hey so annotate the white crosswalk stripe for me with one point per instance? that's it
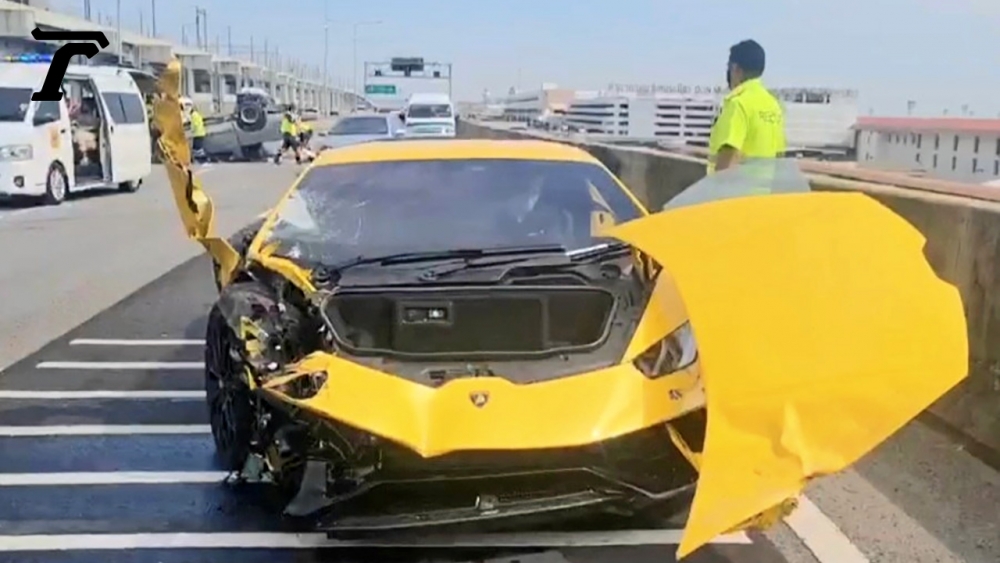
(26, 394)
(109, 478)
(122, 365)
(103, 429)
(135, 342)
(247, 540)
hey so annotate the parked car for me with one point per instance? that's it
(353, 129)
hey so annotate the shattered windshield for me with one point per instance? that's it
(375, 208)
(749, 178)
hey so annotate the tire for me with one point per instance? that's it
(56, 185)
(130, 187)
(229, 400)
(251, 117)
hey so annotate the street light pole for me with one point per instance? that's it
(326, 56)
(354, 56)
(118, 18)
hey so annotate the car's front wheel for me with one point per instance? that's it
(56, 185)
(230, 401)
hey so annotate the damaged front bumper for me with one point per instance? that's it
(637, 475)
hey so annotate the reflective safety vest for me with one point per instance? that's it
(197, 124)
(288, 127)
(751, 121)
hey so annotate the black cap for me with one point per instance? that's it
(749, 56)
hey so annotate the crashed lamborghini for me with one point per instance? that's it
(452, 334)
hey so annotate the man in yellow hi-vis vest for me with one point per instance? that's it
(751, 123)
(289, 138)
(198, 134)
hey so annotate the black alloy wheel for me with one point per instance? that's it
(230, 401)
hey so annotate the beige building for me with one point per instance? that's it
(959, 149)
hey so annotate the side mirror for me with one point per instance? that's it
(402, 117)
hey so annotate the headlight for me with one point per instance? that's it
(449, 130)
(15, 152)
(674, 353)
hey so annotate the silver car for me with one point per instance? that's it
(353, 129)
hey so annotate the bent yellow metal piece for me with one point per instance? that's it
(821, 330)
(195, 207)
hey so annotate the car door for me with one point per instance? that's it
(135, 129)
(821, 330)
(51, 136)
(113, 117)
(127, 132)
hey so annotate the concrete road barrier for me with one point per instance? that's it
(961, 223)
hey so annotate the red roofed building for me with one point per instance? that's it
(960, 149)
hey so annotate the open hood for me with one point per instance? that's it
(821, 329)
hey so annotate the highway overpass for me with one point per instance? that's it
(211, 79)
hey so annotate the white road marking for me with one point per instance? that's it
(258, 540)
(13, 394)
(103, 430)
(110, 478)
(135, 342)
(821, 536)
(122, 365)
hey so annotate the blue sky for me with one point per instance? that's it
(940, 53)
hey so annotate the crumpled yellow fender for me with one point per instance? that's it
(821, 329)
(195, 207)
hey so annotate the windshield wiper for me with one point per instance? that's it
(599, 252)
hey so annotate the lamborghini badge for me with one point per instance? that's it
(479, 398)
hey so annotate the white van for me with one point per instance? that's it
(429, 115)
(97, 136)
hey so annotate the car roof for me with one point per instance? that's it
(31, 75)
(365, 116)
(429, 98)
(453, 149)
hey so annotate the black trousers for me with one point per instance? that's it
(288, 141)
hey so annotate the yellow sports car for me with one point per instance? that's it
(443, 333)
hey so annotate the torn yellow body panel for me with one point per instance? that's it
(821, 331)
(195, 207)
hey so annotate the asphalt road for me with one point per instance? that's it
(62, 265)
(132, 456)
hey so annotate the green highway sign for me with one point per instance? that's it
(386, 89)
